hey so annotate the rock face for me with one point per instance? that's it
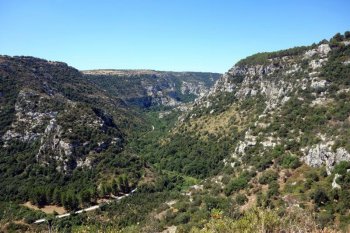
(28, 118)
(274, 99)
(322, 154)
(48, 115)
(273, 79)
(146, 88)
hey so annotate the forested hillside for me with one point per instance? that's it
(61, 137)
(264, 149)
(272, 134)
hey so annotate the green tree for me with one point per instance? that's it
(320, 197)
(115, 187)
(124, 184)
(235, 185)
(38, 197)
(347, 35)
(56, 196)
(85, 197)
(70, 201)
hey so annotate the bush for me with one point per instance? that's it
(341, 168)
(320, 197)
(235, 184)
(290, 161)
(273, 189)
(241, 199)
(182, 218)
(268, 176)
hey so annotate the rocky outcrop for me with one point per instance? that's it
(322, 155)
(29, 118)
(273, 80)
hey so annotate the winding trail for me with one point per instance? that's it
(91, 208)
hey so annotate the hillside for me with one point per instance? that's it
(66, 141)
(272, 133)
(149, 88)
(58, 131)
(264, 148)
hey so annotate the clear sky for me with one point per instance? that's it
(179, 35)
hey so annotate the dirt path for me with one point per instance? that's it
(48, 209)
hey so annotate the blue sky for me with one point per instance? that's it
(179, 35)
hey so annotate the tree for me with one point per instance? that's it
(85, 197)
(56, 196)
(115, 187)
(268, 176)
(320, 197)
(124, 184)
(235, 185)
(338, 37)
(38, 197)
(347, 35)
(70, 201)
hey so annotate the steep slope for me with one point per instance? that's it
(279, 98)
(59, 131)
(272, 133)
(146, 88)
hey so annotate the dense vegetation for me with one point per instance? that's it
(196, 174)
(34, 93)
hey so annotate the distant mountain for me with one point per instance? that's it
(147, 88)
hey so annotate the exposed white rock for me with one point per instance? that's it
(335, 185)
(318, 84)
(84, 162)
(321, 50)
(193, 88)
(269, 142)
(163, 114)
(346, 62)
(346, 43)
(321, 101)
(322, 154)
(249, 140)
(345, 90)
(27, 118)
(294, 68)
(315, 64)
(324, 49)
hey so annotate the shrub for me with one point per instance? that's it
(235, 184)
(268, 176)
(241, 199)
(320, 197)
(341, 167)
(290, 161)
(273, 189)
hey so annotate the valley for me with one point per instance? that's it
(261, 148)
